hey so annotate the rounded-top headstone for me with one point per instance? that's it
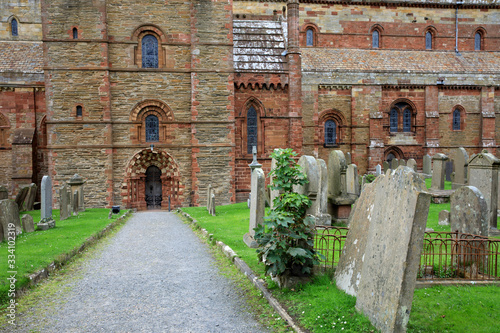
(76, 180)
(469, 211)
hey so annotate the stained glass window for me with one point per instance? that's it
(152, 129)
(251, 129)
(309, 37)
(330, 132)
(456, 120)
(75, 33)
(393, 118)
(375, 39)
(149, 52)
(428, 40)
(477, 41)
(13, 25)
(407, 121)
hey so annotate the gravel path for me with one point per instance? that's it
(153, 276)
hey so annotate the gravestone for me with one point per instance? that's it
(483, 174)
(27, 222)
(352, 179)
(30, 197)
(469, 211)
(460, 158)
(10, 224)
(273, 193)
(438, 168)
(76, 182)
(378, 170)
(381, 256)
(402, 162)
(348, 159)
(444, 217)
(211, 210)
(257, 205)
(74, 203)
(448, 170)
(21, 196)
(339, 201)
(385, 166)
(322, 216)
(209, 195)
(412, 164)
(363, 182)
(64, 202)
(4, 193)
(336, 166)
(46, 192)
(427, 165)
(394, 163)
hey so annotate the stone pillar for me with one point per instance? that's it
(46, 188)
(438, 171)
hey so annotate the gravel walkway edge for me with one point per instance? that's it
(245, 269)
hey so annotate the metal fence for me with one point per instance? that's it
(445, 255)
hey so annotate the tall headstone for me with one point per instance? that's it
(30, 197)
(438, 171)
(427, 165)
(448, 170)
(76, 182)
(4, 193)
(209, 195)
(211, 210)
(64, 200)
(483, 174)
(336, 166)
(385, 166)
(339, 201)
(348, 159)
(257, 206)
(469, 211)
(46, 192)
(273, 193)
(74, 203)
(380, 259)
(412, 164)
(9, 219)
(460, 159)
(394, 163)
(378, 170)
(322, 216)
(352, 179)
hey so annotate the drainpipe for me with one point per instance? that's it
(459, 2)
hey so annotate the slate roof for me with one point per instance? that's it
(325, 60)
(258, 45)
(21, 57)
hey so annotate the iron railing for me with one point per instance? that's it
(445, 255)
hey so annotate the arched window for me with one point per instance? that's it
(330, 132)
(152, 129)
(251, 129)
(393, 119)
(79, 111)
(456, 120)
(13, 27)
(375, 39)
(149, 52)
(428, 40)
(477, 41)
(75, 33)
(407, 121)
(309, 37)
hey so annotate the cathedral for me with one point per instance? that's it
(153, 101)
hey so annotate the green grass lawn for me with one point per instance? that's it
(321, 307)
(35, 251)
(447, 184)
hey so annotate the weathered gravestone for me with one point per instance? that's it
(4, 193)
(427, 165)
(46, 193)
(21, 196)
(380, 259)
(348, 159)
(10, 224)
(402, 162)
(27, 222)
(378, 170)
(469, 211)
(209, 195)
(273, 193)
(211, 209)
(412, 164)
(448, 170)
(339, 201)
(74, 203)
(438, 168)
(363, 183)
(460, 163)
(444, 217)
(352, 179)
(76, 182)
(257, 205)
(29, 201)
(394, 163)
(483, 174)
(64, 202)
(385, 166)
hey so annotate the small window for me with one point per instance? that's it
(456, 120)
(407, 121)
(149, 52)
(152, 129)
(75, 33)
(79, 111)
(428, 40)
(330, 133)
(393, 118)
(375, 39)
(13, 26)
(251, 129)
(309, 37)
(477, 41)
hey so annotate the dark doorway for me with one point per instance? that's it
(153, 188)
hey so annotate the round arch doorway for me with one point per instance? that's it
(153, 187)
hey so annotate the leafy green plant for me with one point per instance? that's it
(286, 238)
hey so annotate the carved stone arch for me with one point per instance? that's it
(433, 31)
(4, 130)
(403, 100)
(149, 28)
(9, 21)
(256, 104)
(376, 28)
(451, 117)
(398, 105)
(154, 30)
(138, 117)
(315, 31)
(482, 33)
(395, 151)
(340, 122)
(133, 188)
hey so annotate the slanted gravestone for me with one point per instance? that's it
(438, 168)
(448, 170)
(46, 192)
(64, 201)
(427, 165)
(469, 211)
(257, 206)
(4, 193)
(381, 256)
(27, 222)
(483, 174)
(378, 170)
(30, 197)
(352, 179)
(460, 158)
(21, 196)
(394, 163)
(444, 217)
(385, 166)
(348, 159)
(10, 224)
(412, 164)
